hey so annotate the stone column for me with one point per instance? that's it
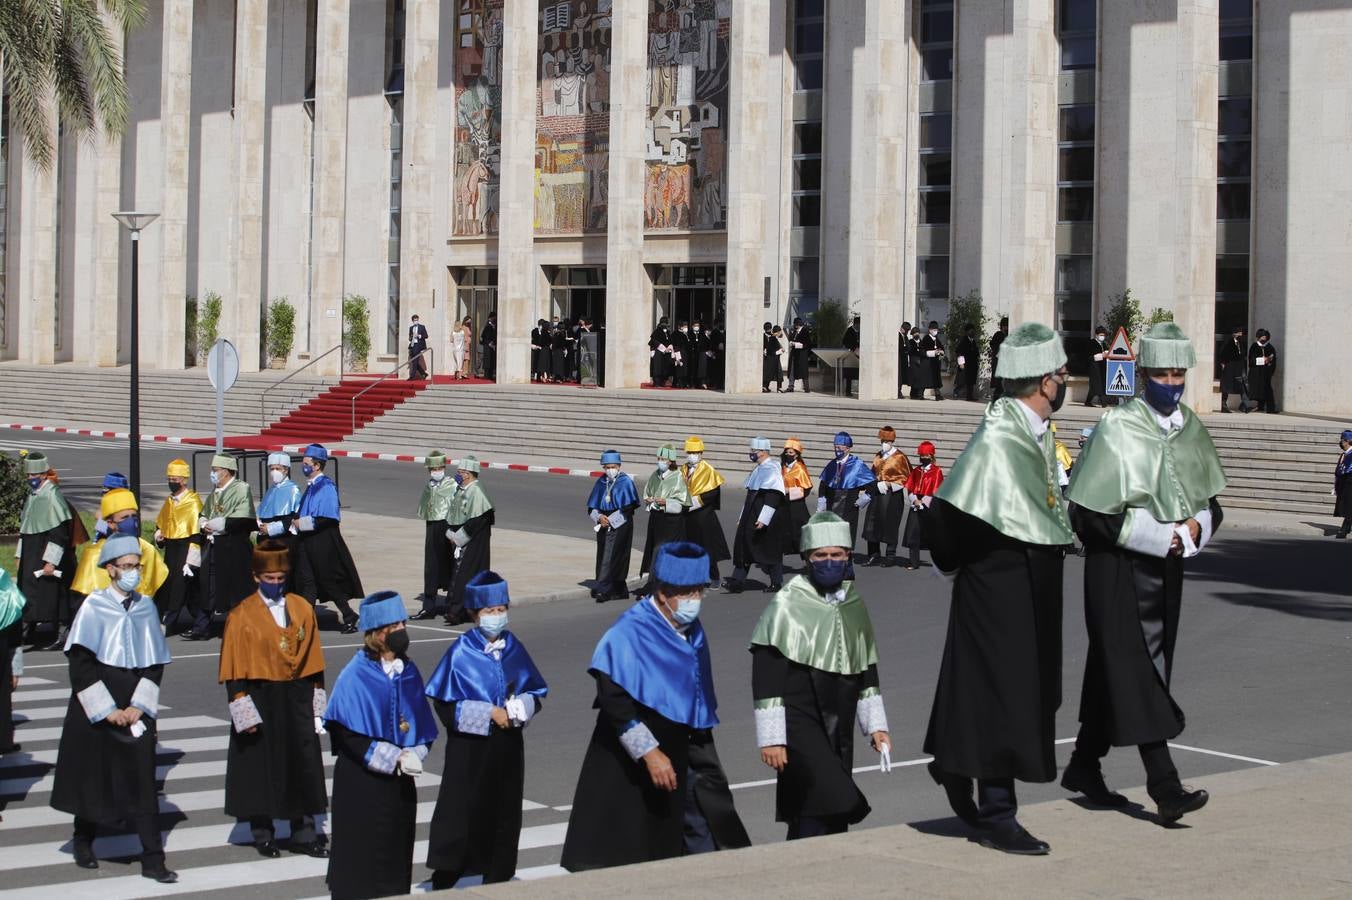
(96, 308)
(36, 333)
(516, 231)
(417, 257)
(628, 290)
(330, 201)
(164, 318)
(878, 193)
(747, 135)
(245, 310)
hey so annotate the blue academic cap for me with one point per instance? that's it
(380, 609)
(843, 438)
(610, 458)
(316, 451)
(681, 564)
(115, 480)
(486, 589)
(118, 546)
(1347, 435)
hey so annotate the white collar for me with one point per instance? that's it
(1168, 423)
(392, 667)
(495, 646)
(280, 601)
(836, 597)
(1035, 421)
(888, 452)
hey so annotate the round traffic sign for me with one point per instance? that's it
(223, 365)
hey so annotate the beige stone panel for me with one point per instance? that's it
(36, 260)
(517, 275)
(330, 203)
(97, 346)
(747, 265)
(251, 45)
(213, 198)
(163, 318)
(419, 275)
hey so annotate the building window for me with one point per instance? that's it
(1076, 27)
(396, 102)
(931, 287)
(1233, 158)
(1074, 293)
(809, 43)
(936, 168)
(1236, 42)
(935, 40)
(807, 174)
(1075, 164)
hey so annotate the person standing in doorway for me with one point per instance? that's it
(1098, 368)
(1262, 370)
(1234, 370)
(969, 366)
(417, 346)
(488, 339)
(997, 386)
(800, 354)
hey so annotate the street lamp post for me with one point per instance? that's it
(134, 222)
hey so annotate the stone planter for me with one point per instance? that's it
(277, 362)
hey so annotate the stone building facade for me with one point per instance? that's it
(737, 161)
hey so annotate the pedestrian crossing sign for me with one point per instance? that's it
(1121, 381)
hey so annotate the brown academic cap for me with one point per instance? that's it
(271, 556)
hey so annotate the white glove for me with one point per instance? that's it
(409, 764)
(217, 524)
(306, 523)
(187, 571)
(821, 504)
(885, 761)
(319, 725)
(273, 529)
(519, 710)
(863, 500)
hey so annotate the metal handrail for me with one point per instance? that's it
(390, 374)
(263, 398)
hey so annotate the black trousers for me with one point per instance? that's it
(814, 826)
(996, 804)
(1092, 744)
(1347, 525)
(875, 546)
(147, 829)
(776, 572)
(302, 829)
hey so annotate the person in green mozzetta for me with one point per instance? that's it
(666, 496)
(1143, 500)
(438, 552)
(470, 528)
(814, 673)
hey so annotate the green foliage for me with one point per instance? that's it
(13, 492)
(1159, 314)
(1125, 312)
(190, 330)
(829, 323)
(964, 311)
(356, 328)
(208, 323)
(281, 328)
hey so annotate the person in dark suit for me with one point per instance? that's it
(850, 341)
(539, 340)
(1234, 370)
(1262, 369)
(417, 346)
(488, 339)
(997, 386)
(969, 367)
(1098, 368)
(903, 359)
(771, 368)
(701, 356)
(660, 362)
(680, 355)
(800, 354)
(932, 349)
(915, 365)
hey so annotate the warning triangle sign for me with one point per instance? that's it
(1120, 348)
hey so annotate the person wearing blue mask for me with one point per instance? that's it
(105, 765)
(272, 666)
(381, 730)
(651, 786)
(325, 571)
(120, 510)
(814, 674)
(761, 529)
(111, 482)
(1143, 500)
(49, 532)
(611, 506)
(228, 519)
(485, 690)
(845, 484)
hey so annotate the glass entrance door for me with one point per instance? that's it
(690, 294)
(475, 297)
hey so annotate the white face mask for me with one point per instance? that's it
(682, 331)
(215, 477)
(127, 581)
(934, 332)
(278, 476)
(661, 465)
(437, 474)
(612, 474)
(693, 458)
(696, 329)
(886, 445)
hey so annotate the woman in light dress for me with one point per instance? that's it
(460, 350)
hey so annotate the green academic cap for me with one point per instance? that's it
(825, 529)
(1030, 351)
(1165, 346)
(435, 459)
(224, 461)
(668, 452)
(36, 464)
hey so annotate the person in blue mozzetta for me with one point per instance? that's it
(485, 690)
(844, 484)
(611, 506)
(105, 766)
(381, 729)
(651, 786)
(325, 570)
(279, 507)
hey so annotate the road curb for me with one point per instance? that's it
(577, 593)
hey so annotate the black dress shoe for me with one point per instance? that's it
(1342, 536)
(316, 848)
(422, 615)
(10, 748)
(268, 849)
(960, 791)
(58, 643)
(84, 855)
(872, 560)
(159, 873)
(196, 635)
(1181, 801)
(348, 628)
(1015, 840)
(733, 586)
(1093, 787)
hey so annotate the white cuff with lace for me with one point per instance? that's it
(473, 716)
(637, 741)
(244, 714)
(870, 714)
(97, 702)
(772, 729)
(146, 697)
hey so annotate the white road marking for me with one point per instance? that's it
(447, 635)
(45, 694)
(189, 745)
(1249, 759)
(177, 723)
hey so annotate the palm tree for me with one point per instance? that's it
(64, 49)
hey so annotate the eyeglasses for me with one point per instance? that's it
(127, 567)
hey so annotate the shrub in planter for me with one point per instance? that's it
(281, 331)
(356, 332)
(208, 323)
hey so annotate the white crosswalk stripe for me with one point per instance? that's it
(35, 855)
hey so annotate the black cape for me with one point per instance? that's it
(326, 572)
(48, 598)
(475, 557)
(994, 711)
(227, 566)
(761, 546)
(882, 517)
(702, 527)
(663, 528)
(1234, 368)
(372, 824)
(278, 771)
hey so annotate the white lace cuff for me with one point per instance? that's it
(53, 553)
(473, 716)
(870, 714)
(319, 702)
(772, 729)
(595, 515)
(617, 519)
(1204, 521)
(637, 741)
(382, 757)
(1143, 533)
(16, 666)
(97, 702)
(146, 697)
(244, 714)
(419, 750)
(767, 514)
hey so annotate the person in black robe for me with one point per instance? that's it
(761, 527)
(903, 359)
(470, 528)
(105, 765)
(539, 341)
(800, 355)
(272, 667)
(1234, 370)
(558, 355)
(49, 532)
(918, 370)
(611, 506)
(380, 731)
(11, 657)
(771, 369)
(1342, 486)
(326, 570)
(650, 785)
(1262, 370)
(850, 341)
(228, 520)
(701, 364)
(659, 354)
(485, 691)
(997, 339)
(488, 339)
(969, 366)
(680, 355)
(718, 363)
(1098, 369)
(932, 350)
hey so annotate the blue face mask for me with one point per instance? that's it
(272, 591)
(753, 455)
(35, 483)
(307, 470)
(840, 454)
(130, 525)
(1163, 397)
(687, 610)
(459, 479)
(827, 574)
(493, 624)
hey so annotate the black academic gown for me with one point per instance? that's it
(771, 369)
(659, 363)
(11, 640)
(48, 598)
(326, 572)
(703, 528)
(1260, 377)
(997, 387)
(1342, 493)
(819, 715)
(903, 360)
(278, 771)
(680, 358)
(965, 380)
(933, 365)
(994, 711)
(613, 547)
(476, 824)
(761, 546)
(558, 356)
(227, 566)
(475, 557)
(663, 528)
(179, 590)
(700, 364)
(618, 816)
(800, 357)
(1234, 368)
(103, 774)
(438, 559)
(883, 515)
(538, 342)
(1098, 371)
(1131, 609)
(718, 365)
(918, 377)
(379, 863)
(488, 339)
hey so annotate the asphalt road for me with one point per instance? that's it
(1262, 665)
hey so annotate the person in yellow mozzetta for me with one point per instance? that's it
(705, 484)
(177, 532)
(119, 509)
